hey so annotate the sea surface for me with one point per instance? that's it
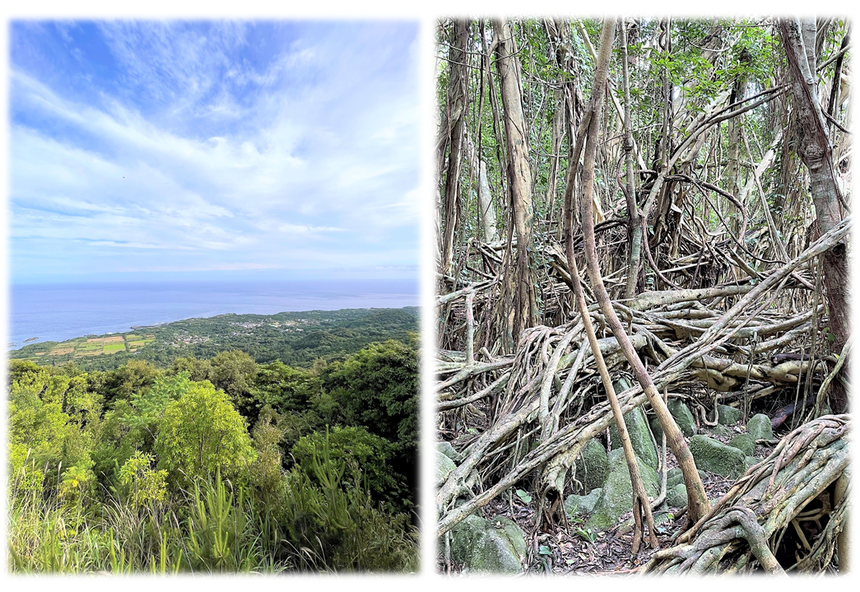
(60, 312)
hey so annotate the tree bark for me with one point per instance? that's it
(456, 111)
(519, 173)
(634, 216)
(816, 153)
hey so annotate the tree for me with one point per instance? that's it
(815, 150)
(200, 433)
(234, 372)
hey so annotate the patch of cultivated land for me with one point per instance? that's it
(111, 348)
(61, 351)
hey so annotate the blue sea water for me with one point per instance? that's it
(60, 312)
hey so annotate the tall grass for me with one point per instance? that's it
(309, 524)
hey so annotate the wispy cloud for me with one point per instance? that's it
(223, 144)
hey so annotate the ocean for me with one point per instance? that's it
(60, 312)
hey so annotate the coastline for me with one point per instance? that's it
(59, 312)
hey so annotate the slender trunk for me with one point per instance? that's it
(641, 504)
(456, 111)
(487, 212)
(634, 224)
(519, 173)
(697, 501)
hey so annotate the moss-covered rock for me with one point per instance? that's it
(675, 476)
(676, 497)
(722, 431)
(581, 505)
(728, 415)
(448, 450)
(745, 443)
(592, 466)
(617, 494)
(716, 457)
(640, 436)
(444, 466)
(493, 546)
(683, 417)
(759, 427)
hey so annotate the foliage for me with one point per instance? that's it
(367, 454)
(200, 433)
(141, 470)
(145, 485)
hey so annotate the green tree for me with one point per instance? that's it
(369, 455)
(378, 389)
(200, 433)
(234, 372)
(135, 376)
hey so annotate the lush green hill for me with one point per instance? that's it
(295, 338)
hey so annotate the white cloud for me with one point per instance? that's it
(320, 154)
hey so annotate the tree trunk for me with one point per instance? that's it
(697, 501)
(487, 215)
(634, 216)
(519, 173)
(815, 152)
(456, 111)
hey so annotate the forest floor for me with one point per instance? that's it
(603, 553)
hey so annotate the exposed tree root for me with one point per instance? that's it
(790, 494)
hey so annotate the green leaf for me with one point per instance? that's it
(544, 550)
(524, 496)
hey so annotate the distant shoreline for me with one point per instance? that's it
(91, 335)
(61, 312)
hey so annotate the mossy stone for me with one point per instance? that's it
(675, 476)
(640, 436)
(721, 430)
(728, 415)
(592, 466)
(448, 450)
(716, 457)
(745, 443)
(581, 505)
(480, 545)
(759, 427)
(683, 417)
(617, 494)
(676, 497)
(444, 466)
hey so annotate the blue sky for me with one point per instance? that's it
(213, 150)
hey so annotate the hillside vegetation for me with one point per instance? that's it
(219, 463)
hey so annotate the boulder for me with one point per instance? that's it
(745, 443)
(759, 427)
(640, 436)
(444, 466)
(716, 457)
(617, 494)
(675, 476)
(581, 505)
(448, 450)
(728, 415)
(592, 467)
(490, 546)
(676, 497)
(683, 417)
(721, 430)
